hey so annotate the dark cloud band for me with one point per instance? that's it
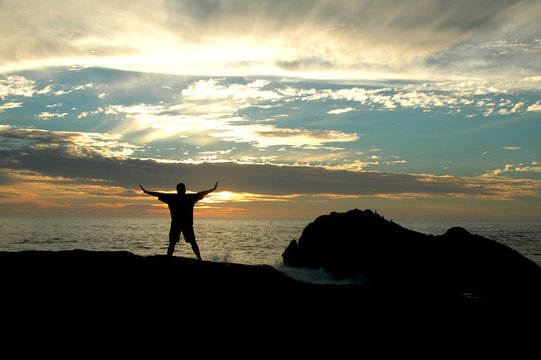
(56, 154)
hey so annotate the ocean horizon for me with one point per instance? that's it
(237, 240)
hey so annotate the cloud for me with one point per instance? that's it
(432, 96)
(210, 110)
(16, 85)
(341, 111)
(45, 115)
(516, 108)
(70, 144)
(244, 93)
(304, 37)
(269, 135)
(389, 22)
(535, 107)
(536, 169)
(10, 105)
(87, 158)
(533, 168)
(157, 122)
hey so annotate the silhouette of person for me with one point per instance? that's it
(181, 209)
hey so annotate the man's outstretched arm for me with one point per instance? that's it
(202, 194)
(153, 193)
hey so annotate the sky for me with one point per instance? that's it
(417, 109)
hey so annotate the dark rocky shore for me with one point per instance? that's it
(394, 258)
(119, 293)
(85, 288)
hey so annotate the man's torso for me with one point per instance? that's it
(181, 206)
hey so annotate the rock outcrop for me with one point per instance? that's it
(394, 258)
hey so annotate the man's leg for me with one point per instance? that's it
(189, 236)
(174, 236)
(195, 249)
(171, 248)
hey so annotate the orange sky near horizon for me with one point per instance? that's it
(50, 198)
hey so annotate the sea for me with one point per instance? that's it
(245, 241)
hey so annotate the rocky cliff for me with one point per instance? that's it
(394, 258)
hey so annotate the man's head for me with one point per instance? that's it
(181, 189)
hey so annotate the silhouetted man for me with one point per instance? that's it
(181, 208)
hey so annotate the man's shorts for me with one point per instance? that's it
(177, 228)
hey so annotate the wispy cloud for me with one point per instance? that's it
(270, 135)
(318, 38)
(211, 108)
(10, 105)
(340, 111)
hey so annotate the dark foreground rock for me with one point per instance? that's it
(79, 281)
(97, 298)
(92, 276)
(395, 259)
